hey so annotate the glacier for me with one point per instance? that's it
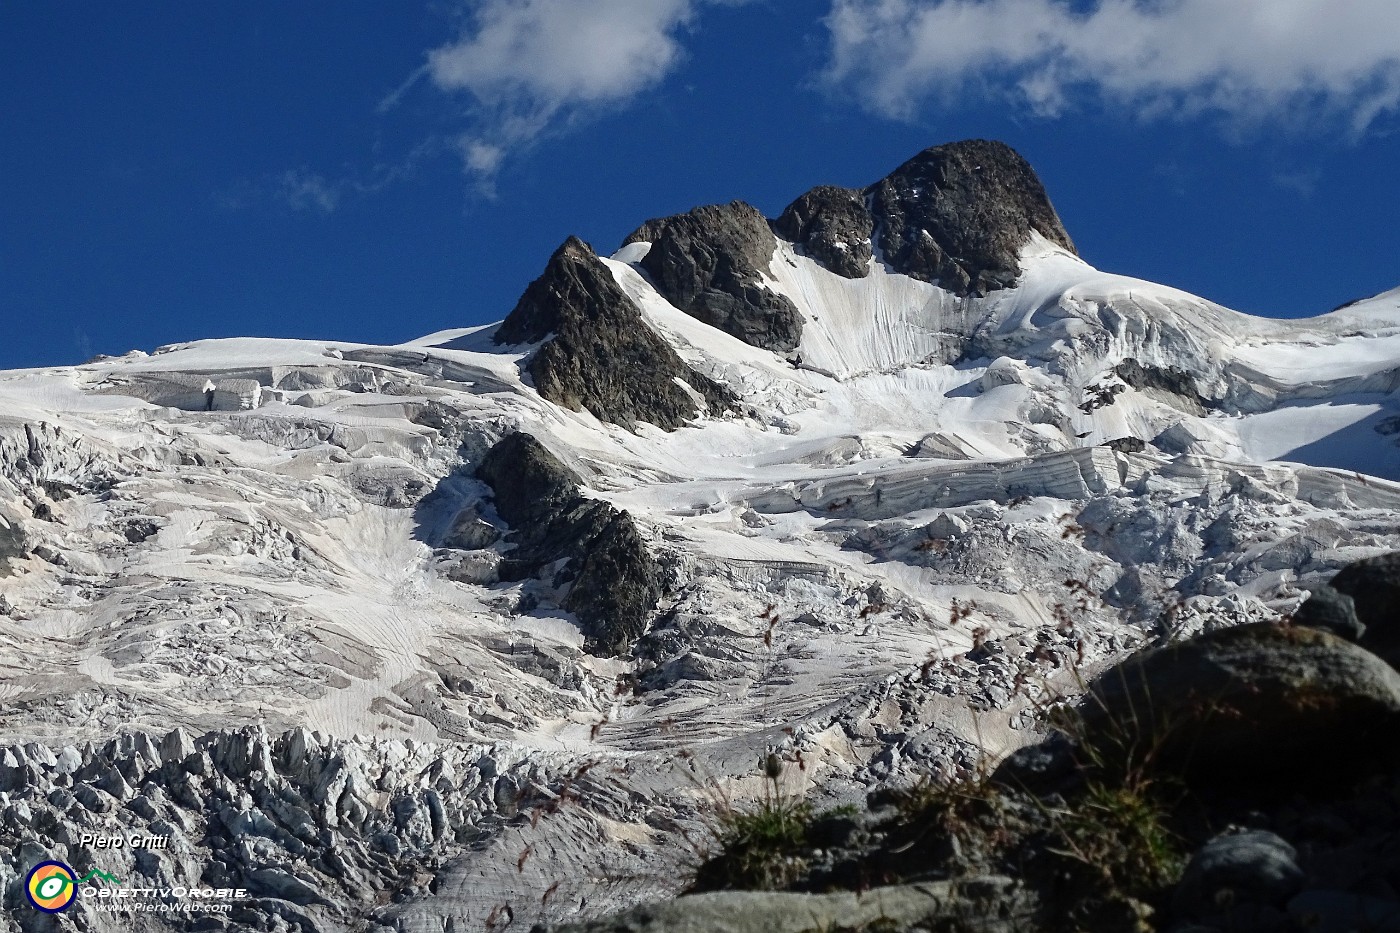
(935, 509)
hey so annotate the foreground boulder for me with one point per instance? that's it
(1362, 600)
(601, 355)
(1253, 868)
(833, 226)
(613, 580)
(1331, 609)
(1274, 703)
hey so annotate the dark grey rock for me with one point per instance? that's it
(617, 587)
(601, 355)
(13, 544)
(1333, 610)
(1276, 704)
(708, 262)
(1127, 445)
(1254, 867)
(1040, 768)
(959, 214)
(469, 531)
(616, 582)
(1327, 911)
(1374, 587)
(139, 530)
(1167, 383)
(394, 486)
(833, 226)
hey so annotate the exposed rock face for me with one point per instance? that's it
(1261, 700)
(13, 541)
(959, 214)
(615, 580)
(708, 263)
(1170, 384)
(833, 226)
(603, 357)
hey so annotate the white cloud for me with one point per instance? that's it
(1246, 60)
(532, 66)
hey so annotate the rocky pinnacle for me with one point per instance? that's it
(599, 353)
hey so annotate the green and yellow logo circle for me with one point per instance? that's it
(51, 886)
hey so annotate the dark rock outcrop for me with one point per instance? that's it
(1127, 445)
(1374, 587)
(1333, 610)
(833, 226)
(601, 355)
(708, 262)
(959, 214)
(615, 581)
(1266, 702)
(13, 543)
(1169, 384)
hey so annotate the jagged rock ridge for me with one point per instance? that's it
(833, 225)
(959, 215)
(615, 581)
(956, 215)
(709, 263)
(602, 356)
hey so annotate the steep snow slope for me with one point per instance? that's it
(913, 524)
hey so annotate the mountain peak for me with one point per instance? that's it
(710, 263)
(958, 214)
(599, 354)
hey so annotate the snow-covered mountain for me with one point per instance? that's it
(852, 485)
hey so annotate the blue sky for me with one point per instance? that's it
(365, 171)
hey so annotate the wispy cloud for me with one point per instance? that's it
(528, 68)
(305, 190)
(1302, 182)
(1248, 61)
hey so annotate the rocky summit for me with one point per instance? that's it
(882, 565)
(596, 352)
